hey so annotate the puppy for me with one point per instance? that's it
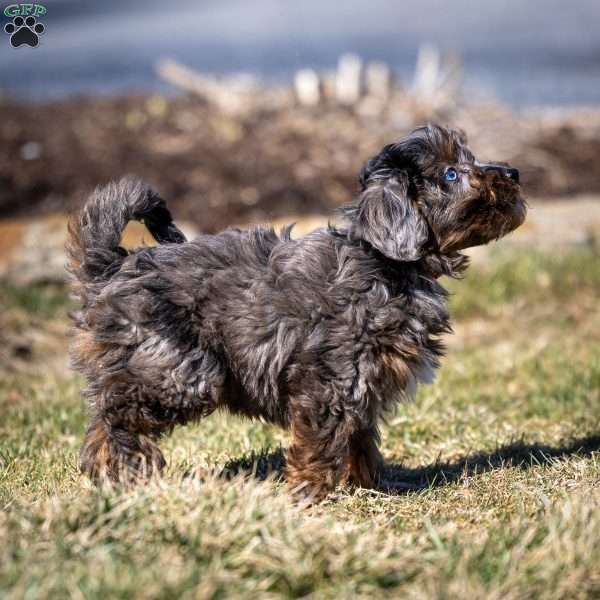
(322, 335)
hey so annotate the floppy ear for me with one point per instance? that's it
(389, 220)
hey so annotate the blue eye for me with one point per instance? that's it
(451, 175)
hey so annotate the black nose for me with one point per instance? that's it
(509, 172)
(512, 173)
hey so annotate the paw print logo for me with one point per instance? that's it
(24, 31)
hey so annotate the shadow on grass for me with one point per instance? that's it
(398, 479)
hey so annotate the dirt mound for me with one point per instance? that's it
(216, 169)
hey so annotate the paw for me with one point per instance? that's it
(24, 31)
(307, 494)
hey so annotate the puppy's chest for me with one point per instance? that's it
(415, 315)
(407, 334)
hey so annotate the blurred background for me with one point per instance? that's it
(540, 52)
(242, 112)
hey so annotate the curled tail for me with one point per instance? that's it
(93, 247)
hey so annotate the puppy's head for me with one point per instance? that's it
(427, 194)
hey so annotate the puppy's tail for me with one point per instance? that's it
(93, 246)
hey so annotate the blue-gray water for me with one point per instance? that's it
(523, 51)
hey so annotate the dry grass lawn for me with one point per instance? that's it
(503, 452)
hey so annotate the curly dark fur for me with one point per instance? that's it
(322, 335)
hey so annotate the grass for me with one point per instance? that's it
(503, 450)
(526, 278)
(42, 301)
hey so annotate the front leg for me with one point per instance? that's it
(366, 461)
(319, 456)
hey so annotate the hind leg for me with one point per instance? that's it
(121, 441)
(118, 453)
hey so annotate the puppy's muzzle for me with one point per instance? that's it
(504, 170)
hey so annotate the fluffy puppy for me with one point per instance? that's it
(322, 335)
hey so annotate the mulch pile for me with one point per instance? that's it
(216, 169)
